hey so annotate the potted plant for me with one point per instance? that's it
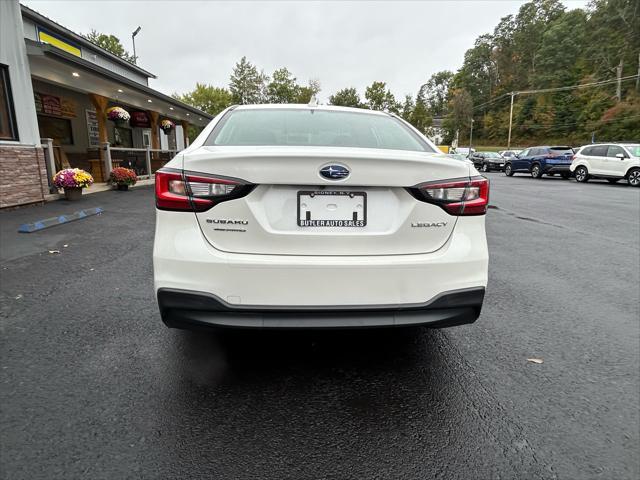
(123, 177)
(72, 180)
(118, 115)
(167, 126)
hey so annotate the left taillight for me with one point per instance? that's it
(178, 191)
(456, 197)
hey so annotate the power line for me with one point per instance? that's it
(557, 89)
(560, 125)
(504, 95)
(573, 87)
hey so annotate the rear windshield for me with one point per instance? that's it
(318, 128)
(634, 149)
(561, 149)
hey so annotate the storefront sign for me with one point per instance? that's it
(67, 107)
(140, 119)
(57, 41)
(51, 105)
(54, 106)
(92, 128)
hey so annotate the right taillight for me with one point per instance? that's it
(183, 191)
(456, 197)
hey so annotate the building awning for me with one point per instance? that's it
(53, 65)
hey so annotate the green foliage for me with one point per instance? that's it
(460, 110)
(545, 46)
(282, 88)
(247, 85)
(347, 97)
(420, 116)
(379, 97)
(111, 43)
(435, 92)
(408, 108)
(207, 98)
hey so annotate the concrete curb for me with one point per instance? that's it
(53, 221)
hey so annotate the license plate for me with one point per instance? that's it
(331, 208)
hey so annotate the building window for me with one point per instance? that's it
(59, 129)
(8, 127)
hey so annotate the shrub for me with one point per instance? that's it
(123, 176)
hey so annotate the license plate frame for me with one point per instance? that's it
(353, 222)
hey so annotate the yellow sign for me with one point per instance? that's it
(56, 41)
(444, 148)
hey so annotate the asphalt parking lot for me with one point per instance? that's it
(94, 386)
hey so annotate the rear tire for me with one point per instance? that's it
(536, 171)
(508, 170)
(582, 174)
(633, 178)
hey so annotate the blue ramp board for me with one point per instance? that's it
(53, 221)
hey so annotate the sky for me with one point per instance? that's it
(342, 44)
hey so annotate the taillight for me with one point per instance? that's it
(185, 191)
(456, 197)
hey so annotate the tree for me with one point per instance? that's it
(246, 84)
(305, 94)
(283, 87)
(347, 97)
(460, 111)
(379, 97)
(420, 117)
(436, 91)
(207, 98)
(111, 43)
(407, 108)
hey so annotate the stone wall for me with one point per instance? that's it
(23, 175)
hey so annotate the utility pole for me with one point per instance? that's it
(513, 94)
(638, 77)
(619, 84)
(470, 136)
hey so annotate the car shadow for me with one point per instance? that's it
(321, 403)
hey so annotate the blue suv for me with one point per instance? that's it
(539, 161)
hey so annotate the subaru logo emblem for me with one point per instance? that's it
(334, 172)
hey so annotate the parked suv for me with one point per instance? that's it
(487, 161)
(612, 161)
(539, 161)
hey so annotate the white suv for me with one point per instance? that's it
(612, 161)
(296, 216)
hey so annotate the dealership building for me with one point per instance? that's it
(56, 88)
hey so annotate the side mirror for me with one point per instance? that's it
(621, 156)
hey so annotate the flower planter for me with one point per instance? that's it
(73, 193)
(122, 187)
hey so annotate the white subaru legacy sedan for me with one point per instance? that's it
(301, 216)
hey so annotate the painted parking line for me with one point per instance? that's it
(53, 221)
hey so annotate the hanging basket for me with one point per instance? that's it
(118, 115)
(167, 126)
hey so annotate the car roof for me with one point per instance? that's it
(300, 106)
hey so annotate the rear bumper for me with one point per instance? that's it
(191, 310)
(558, 169)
